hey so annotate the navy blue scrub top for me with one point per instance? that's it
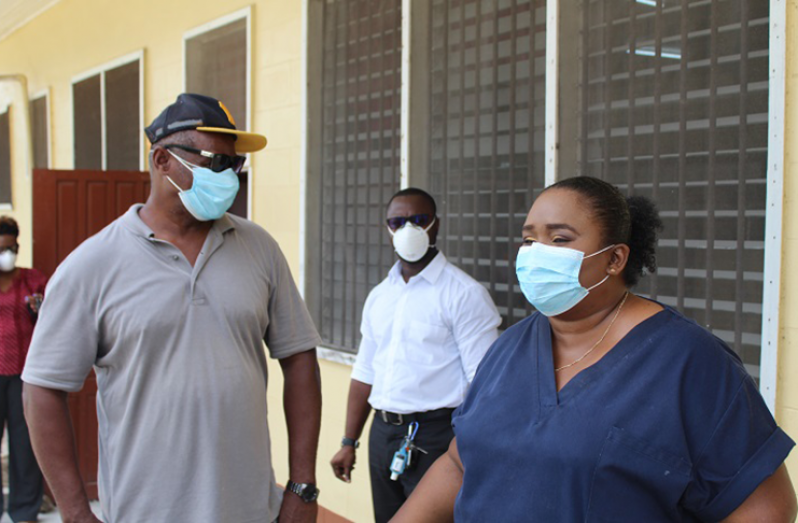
(667, 426)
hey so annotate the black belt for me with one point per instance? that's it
(392, 418)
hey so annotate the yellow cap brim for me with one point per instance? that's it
(245, 142)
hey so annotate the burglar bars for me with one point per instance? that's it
(486, 161)
(361, 83)
(675, 108)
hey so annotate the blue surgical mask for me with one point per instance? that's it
(211, 193)
(549, 277)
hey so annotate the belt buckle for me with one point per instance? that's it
(384, 415)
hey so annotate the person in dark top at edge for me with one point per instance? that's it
(603, 405)
(21, 294)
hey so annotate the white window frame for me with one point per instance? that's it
(45, 93)
(771, 295)
(101, 70)
(768, 378)
(245, 13)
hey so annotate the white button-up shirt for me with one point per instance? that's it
(423, 340)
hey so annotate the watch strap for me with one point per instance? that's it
(306, 491)
(349, 442)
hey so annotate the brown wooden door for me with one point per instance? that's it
(68, 207)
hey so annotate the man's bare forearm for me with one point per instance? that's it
(302, 404)
(47, 415)
(357, 408)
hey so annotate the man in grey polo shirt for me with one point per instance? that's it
(171, 304)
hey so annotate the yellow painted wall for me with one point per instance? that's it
(787, 388)
(76, 36)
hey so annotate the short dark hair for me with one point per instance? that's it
(8, 225)
(631, 220)
(415, 191)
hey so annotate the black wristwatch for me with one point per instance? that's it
(307, 492)
(349, 442)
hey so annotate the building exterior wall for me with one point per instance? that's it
(75, 36)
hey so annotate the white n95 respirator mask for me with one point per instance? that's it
(8, 260)
(411, 242)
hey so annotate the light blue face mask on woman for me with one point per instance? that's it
(549, 277)
(211, 193)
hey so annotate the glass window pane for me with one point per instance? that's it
(87, 123)
(122, 127)
(216, 65)
(5, 157)
(38, 115)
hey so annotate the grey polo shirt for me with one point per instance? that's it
(181, 370)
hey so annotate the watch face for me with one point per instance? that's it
(306, 491)
(309, 494)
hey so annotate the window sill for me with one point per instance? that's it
(336, 356)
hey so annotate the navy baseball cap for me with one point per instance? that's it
(202, 113)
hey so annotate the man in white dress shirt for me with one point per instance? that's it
(425, 329)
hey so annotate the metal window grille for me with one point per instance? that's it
(675, 107)
(38, 112)
(486, 163)
(122, 127)
(87, 123)
(361, 80)
(5, 157)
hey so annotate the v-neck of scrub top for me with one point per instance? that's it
(548, 394)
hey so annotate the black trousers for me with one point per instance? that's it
(433, 436)
(24, 477)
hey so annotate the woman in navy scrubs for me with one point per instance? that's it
(604, 406)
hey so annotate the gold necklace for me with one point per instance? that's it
(583, 356)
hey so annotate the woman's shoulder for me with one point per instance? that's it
(682, 342)
(686, 330)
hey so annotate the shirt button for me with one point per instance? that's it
(175, 257)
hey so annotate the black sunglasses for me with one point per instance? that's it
(422, 220)
(219, 162)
